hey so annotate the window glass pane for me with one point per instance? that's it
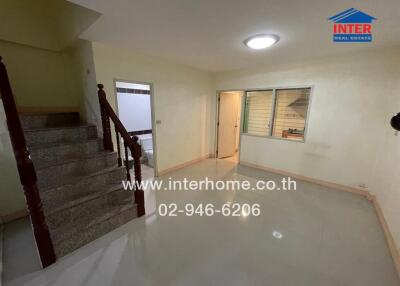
(258, 111)
(291, 113)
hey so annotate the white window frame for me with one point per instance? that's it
(274, 89)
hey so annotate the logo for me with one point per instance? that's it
(352, 26)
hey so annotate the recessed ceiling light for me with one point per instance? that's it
(259, 42)
(277, 234)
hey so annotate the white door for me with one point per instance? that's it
(228, 114)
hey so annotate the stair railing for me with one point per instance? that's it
(129, 142)
(26, 171)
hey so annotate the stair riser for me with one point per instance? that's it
(53, 176)
(78, 213)
(60, 135)
(70, 244)
(53, 155)
(56, 197)
(49, 120)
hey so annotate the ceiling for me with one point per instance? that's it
(209, 34)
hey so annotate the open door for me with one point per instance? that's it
(228, 123)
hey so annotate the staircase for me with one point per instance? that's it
(79, 182)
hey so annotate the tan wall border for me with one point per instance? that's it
(309, 179)
(14, 216)
(49, 109)
(183, 165)
(394, 251)
(388, 235)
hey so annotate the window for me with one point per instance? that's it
(280, 113)
(258, 112)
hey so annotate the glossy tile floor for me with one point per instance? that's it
(147, 172)
(328, 238)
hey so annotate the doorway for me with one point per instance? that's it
(228, 125)
(134, 103)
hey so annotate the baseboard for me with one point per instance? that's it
(394, 251)
(183, 165)
(335, 186)
(14, 216)
(47, 109)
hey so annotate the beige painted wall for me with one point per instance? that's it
(85, 74)
(45, 24)
(29, 22)
(182, 100)
(40, 77)
(11, 194)
(349, 140)
(36, 42)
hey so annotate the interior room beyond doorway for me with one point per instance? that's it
(135, 111)
(228, 125)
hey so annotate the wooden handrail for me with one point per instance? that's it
(26, 171)
(108, 113)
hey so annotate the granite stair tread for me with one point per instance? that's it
(72, 228)
(48, 153)
(114, 218)
(79, 182)
(60, 144)
(76, 133)
(75, 159)
(81, 125)
(76, 180)
(82, 197)
(51, 176)
(33, 120)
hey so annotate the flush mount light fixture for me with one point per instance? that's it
(263, 41)
(277, 234)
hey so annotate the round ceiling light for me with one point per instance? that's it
(259, 42)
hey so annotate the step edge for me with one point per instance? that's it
(108, 189)
(81, 178)
(74, 160)
(59, 127)
(77, 247)
(61, 144)
(118, 210)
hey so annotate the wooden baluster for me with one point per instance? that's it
(118, 147)
(26, 172)
(132, 144)
(139, 194)
(128, 174)
(108, 145)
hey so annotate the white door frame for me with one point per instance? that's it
(153, 120)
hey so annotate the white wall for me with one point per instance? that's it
(12, 198)
(349, 139)
(182, 99)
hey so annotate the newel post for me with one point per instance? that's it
(139, 194)
(105, 120)
(26, 172)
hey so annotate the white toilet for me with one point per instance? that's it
(146, 141)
